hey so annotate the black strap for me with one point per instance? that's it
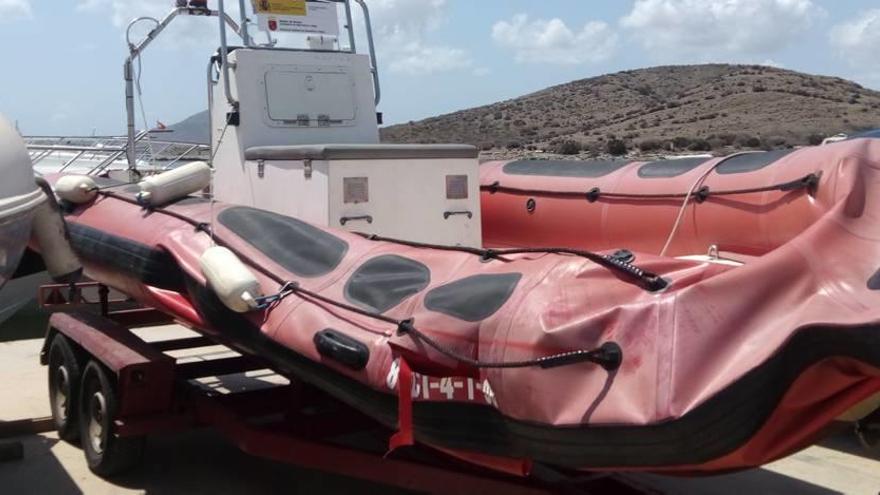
(809, 183)
(609, 356)
(643, 278)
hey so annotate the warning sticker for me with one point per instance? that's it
(313, 17)
(280, 7)
(456, 187)
(356, 190)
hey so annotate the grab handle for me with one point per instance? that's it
(342, 348)
(448, 214)
(345, 220)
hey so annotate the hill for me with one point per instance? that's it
(678, 108)
(194, 129)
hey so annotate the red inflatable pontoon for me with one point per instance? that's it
(596, 353)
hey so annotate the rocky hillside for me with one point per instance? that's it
(676, 108)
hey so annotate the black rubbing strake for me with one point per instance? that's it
(474, 298)
(384, 282)
(749, 162)
(723, 423)
(152, 266)
(302, 249)
(565, 168)
(670, 168)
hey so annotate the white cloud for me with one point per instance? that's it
(185, 29)
(402, 29)
(719, 28)
(552, 41)
(858, 39)
(482, 71)
(121, 12)
(406, 19)
(15, 9)
(417, 59)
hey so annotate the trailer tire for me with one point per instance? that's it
(65, 375)
(868, 431)
(106, 453)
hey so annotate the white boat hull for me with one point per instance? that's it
(19, 199)
(15, 230)
(19, 292)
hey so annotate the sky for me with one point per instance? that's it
(62, 59)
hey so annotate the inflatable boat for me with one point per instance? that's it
(571, 341)
(19, 200)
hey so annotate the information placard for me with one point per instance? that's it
(280, 7)
(314, 17)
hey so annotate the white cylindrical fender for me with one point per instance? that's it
(175, 184)
(49, 231)
(230, 279)
(78, 189)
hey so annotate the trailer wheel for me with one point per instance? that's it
(868, 431)
(64, 380)
(106, 453)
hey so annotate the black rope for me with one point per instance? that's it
(809, 182)
(643, 278)
(113, 186)
(609, 356)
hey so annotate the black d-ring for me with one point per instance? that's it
(702, 195)
(531, 204)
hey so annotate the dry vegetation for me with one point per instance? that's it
(676, 108)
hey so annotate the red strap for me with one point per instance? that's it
(404, 435)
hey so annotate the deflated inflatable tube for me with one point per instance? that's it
(342, 348)
(50, 232)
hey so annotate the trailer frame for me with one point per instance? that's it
(157, 395)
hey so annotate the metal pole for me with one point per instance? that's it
(211, 99)
(244, 24)
(372, 47)
(224, 56)
(129, 112)
(135, 51)
(350, 26)
(128, 70)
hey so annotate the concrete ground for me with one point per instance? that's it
(203, 462)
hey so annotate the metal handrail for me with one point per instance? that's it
(128, 150)
(372, 47)
(135, 51)
(70, 162)
(56, 147)
(187, 152)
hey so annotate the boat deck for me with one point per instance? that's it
(203, 461)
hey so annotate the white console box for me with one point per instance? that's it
(288, 100)
(295, 97)
(425, 193)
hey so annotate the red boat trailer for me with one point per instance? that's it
(153, 393)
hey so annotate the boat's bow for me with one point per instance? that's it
(19, 198)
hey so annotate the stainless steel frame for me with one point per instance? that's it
(101, 152)
(136, 50)
(242, 31)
